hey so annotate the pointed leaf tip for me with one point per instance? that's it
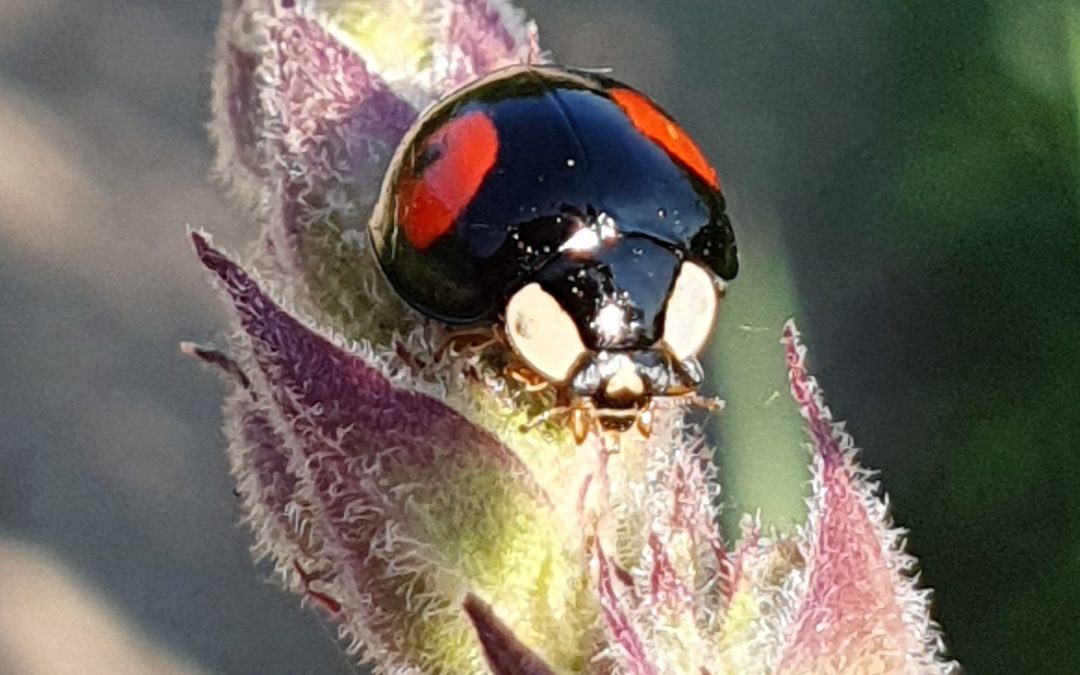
(860, 611)
(219, 360)
(505, 654)
(199, 240)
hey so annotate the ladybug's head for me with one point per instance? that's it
(618, 320)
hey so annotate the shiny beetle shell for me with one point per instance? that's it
(573, 215)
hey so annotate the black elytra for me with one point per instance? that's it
(492, 182)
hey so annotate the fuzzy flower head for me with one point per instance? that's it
(410, 492)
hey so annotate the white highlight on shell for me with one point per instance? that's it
(584, 240)
(691, 311)
(610, 322)
(589, 237)
(608, 229)
(542, 333)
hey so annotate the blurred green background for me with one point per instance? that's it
(904, 178)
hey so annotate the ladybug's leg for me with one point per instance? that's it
(693, 399)
(582, 420)
(547, 415)
(580, 424)
(565, 397)
(709, 403)
(525, 375)
(579, 416)
(470, 341)
(644, 422)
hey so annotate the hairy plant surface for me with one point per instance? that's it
(400, 488)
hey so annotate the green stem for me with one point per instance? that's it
(1072, 54)
(764, 463)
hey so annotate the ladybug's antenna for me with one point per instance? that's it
(695, 400)
(596, 70)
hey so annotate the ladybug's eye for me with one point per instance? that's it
(542, 333)
(691, 311)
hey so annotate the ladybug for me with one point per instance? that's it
(573, 218)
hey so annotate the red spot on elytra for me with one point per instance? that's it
(459, 156)
(662, 130)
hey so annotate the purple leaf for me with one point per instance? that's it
(333, 460)
(623, 635)
(486, 35)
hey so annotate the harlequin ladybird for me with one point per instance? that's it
(574, 218)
